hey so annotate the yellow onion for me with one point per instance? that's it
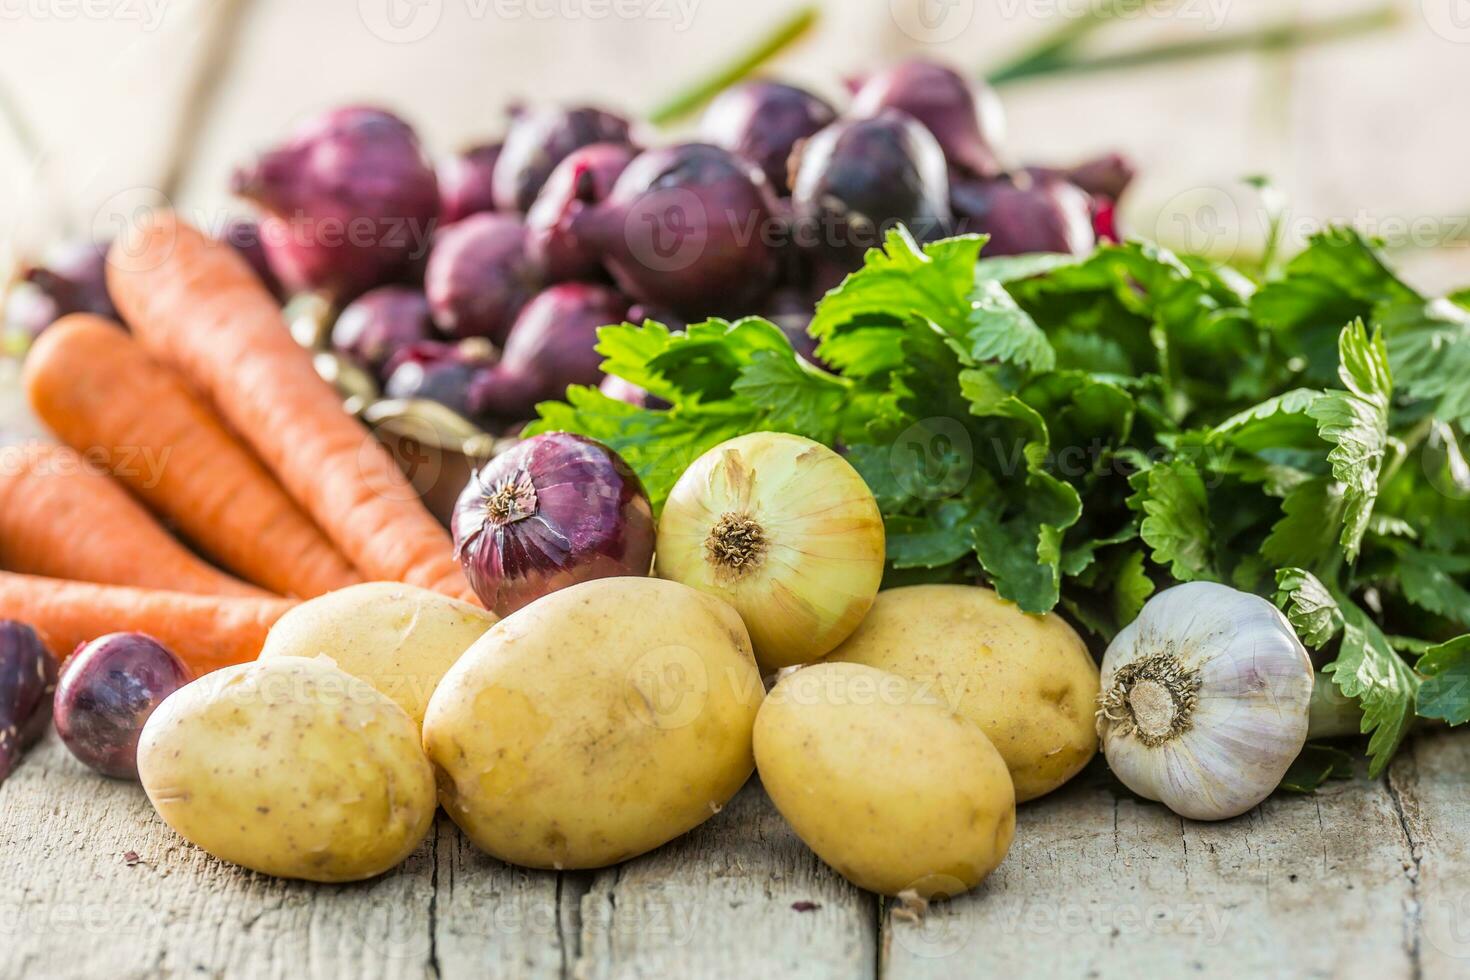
(787, 532)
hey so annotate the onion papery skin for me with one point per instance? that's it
(823, 543)
(590, 519)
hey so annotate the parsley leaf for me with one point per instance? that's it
(1355, 421)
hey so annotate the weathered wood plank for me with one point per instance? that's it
(1430, 783)
(72, 904)
(740, 896)
(1101, 884)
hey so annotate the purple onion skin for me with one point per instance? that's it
(627, 392)
(586, 177)
(465, 182)
(791, 309)
(244, 234)
(108, 690)
(965, 116)
(349, 201)
(436, 372)
(555, 510)
(689, 228)
(1026, 215)
(538, 140)
(380, 323)
(1109, 175)
(858, 178)
(27, 680)
(762, 122)
(553, 344)
(73, 276)
(479, 275)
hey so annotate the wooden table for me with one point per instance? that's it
(1363, 879)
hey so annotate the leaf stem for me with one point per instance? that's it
(1281, 37)
(782, 36)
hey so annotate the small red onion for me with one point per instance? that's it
(381, 322)
(72, 275)
(437, 372)
(584, 178)
(965, 116)
(552, 345)
(479, 276)
(538, 139)
(244, 235)
(553, 511)
(349, 201)
(108, 690)
(27, 678)
(465, 182)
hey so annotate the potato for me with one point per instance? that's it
(1028, 681)
(596, 723)
(399, 638)
(290, 767)
(883, 782)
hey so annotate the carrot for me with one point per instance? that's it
(207, 632)
(61, 517)
(102, 394)
(195, 303)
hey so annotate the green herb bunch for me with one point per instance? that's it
(1078, 433)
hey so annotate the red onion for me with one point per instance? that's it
(72, 275)
(350, 201)
(381, 322)
(688, 227)
(553, 511)
(27, 678)
(1024, 215)
(244, 235)
(762, 122)
(553, 344)
(964, 116)
(479, 276)
(108, 690)
(538, 140)
(437, 372)
(584, 178)
(858, 178)
(465, 183)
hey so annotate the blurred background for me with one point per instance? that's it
(1353, 108)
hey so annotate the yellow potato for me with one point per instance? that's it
(290, 767)
(1027, 681)
(883, 782)
(399, 638)
(596, 723)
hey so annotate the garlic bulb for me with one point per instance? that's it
(786, 531)
(1205, 699)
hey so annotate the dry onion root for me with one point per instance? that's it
(787, 532)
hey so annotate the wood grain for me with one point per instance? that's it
(1365, 878)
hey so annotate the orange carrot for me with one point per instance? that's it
(61, 517)
(207, 632)
(102, 394)
(195, 303)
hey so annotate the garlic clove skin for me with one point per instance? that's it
(1205, 700)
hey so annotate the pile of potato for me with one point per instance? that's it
(608, 718)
